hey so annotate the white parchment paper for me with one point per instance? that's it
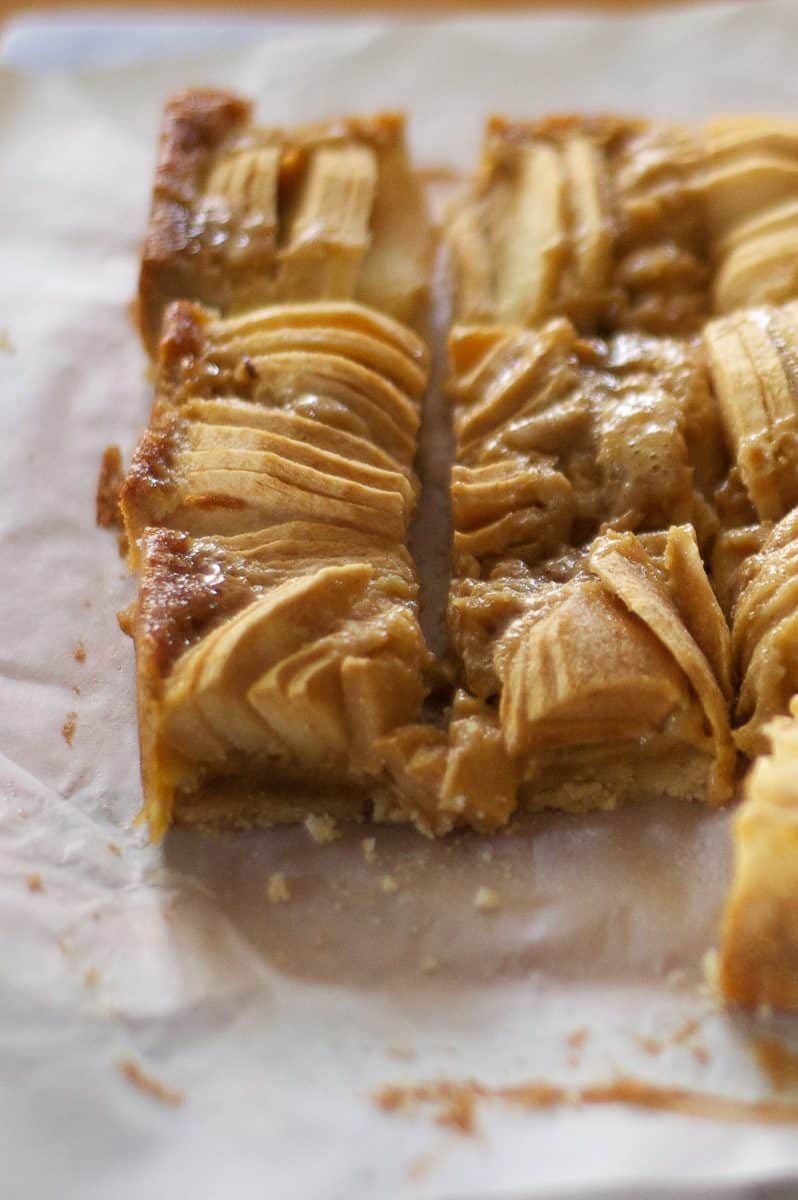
(277, 1022)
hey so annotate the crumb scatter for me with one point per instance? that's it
(277, 889)
(109, 484)
(150, 1084)
(69, 727)
(369, 847)
(322, 828)
(486, 898)
(454, 1102)
(650, 1045)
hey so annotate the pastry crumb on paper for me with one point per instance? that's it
(149, 1084)
(454, 1102)
(277, 889)
(69, 726)
(109, 484)
(322, 828)
(369, 848)
(486, 898)
(35, 883)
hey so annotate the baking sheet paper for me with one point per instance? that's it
(276, 1022)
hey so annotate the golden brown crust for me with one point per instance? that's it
(196, 123)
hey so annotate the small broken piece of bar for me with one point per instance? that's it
(759, 943)
(246, 215)
(621, 223)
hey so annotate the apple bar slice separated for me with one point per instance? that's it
(245, 215)
(267, 506)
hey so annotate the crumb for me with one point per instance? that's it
(91, 977)
(277, 889)
(649, 1044)
(322, 828)
(369, 847)
(487, 854)
(115, 849)
(420, 1167)
(486, 898)
(428, 964)
(149, 1084)
(401, 1050)
(35, 883)
(79, 653)
(686, 1031)
(701, 1055)
(109, 484)
(389, 884)
(6, 345)
(577, 1038)
(76, 689)
(69, 727)
(676, 978)
(125, 618)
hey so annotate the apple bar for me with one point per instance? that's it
(619, 223)
(245, 215)
(267, 505)
(594, 659)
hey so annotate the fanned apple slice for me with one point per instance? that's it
(586, 672)
(756, 394)
(625, 570)
(531, 255)
(329, 233)
(697, 604)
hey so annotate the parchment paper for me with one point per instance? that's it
(277, 1021)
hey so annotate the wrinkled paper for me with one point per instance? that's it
(277, 1021)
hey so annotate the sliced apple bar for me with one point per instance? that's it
(276, 627)
(269, 664)
(597, 219)
(622, 223)
(245, 215)
(594, 659)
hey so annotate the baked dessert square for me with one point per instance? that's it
(245, 215)
(267, 506)
(621, 223)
